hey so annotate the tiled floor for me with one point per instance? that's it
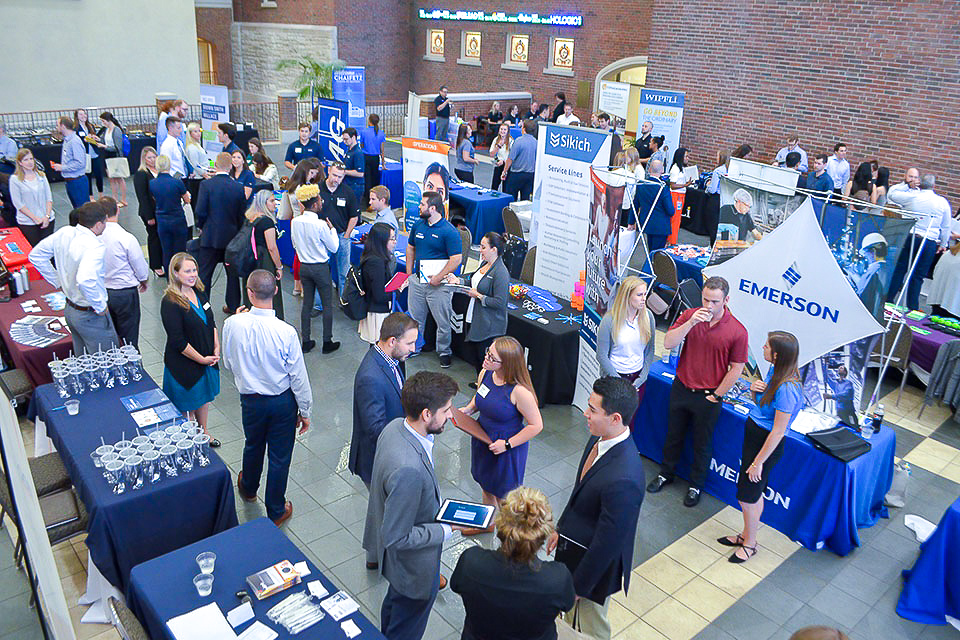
(681, 585)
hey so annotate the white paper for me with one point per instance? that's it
(339, 605)
(691, 172)
(921, 527)
(239, 615)
(302, 569)
(350, 628)
(808, 421)
(430, 268)
(205, 623)
(316, 589)
(258, 631)
(145, 417)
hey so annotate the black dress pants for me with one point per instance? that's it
(207, 260)
(689, 411)
(124, 306)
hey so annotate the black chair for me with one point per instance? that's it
(125, 622)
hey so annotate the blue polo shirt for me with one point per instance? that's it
(247, 179)
(434, 242)
(298, 151)
(353, 159)
(788, 398)
(371, 141)
(822, 183)
(523, 153)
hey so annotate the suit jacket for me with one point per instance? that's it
(401, 514)
(183, 327)
(490, 316)
(602, 515)
(663, 209)
(376, 402)
(219, 211)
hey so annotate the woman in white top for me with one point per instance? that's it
(500, 150)
(264, 169)
(196, 156)
(679, 182)
(30, 193)
(625, 339)
(307, 171)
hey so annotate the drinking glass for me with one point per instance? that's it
(168, 456)
(206, 560)
(185, 455)
(113, 472)
(133, 470)
(92, 375)
(152, 470)
(120, 370)
(135, 366)
(202, 444)
(204, 584)
(139, 440)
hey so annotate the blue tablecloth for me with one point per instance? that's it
(515, 131)
(135, 526)
(484, 211)
(391, 176)
(162, 588)
(812, 498)
(931, 589)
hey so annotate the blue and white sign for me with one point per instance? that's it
(350, 86)
(331, 121)
(214, 105)
(665, 110)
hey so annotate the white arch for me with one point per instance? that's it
(622, 63)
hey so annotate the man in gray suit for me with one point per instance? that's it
(401, 526)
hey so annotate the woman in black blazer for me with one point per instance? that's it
(377, 265)
(489, 290)
(147, 208)
(191, 377)
(508, 593)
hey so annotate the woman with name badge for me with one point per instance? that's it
(775, 410)
(505, 400)
(625, 344)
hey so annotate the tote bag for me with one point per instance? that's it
(118, 167)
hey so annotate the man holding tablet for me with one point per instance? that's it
(401, 524)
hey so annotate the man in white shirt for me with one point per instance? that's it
(380, 205)
(931, 234)
(263, 353)
(315, 240)
(839, 169)
(904, 192)
(172, 147)
(568, 116)
(792, 145)
(125, 275)
(79, 255)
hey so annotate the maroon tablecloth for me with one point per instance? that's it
(33, 360)
(923, 350)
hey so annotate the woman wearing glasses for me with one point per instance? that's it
(505, 400)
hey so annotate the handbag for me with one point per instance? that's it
(568, 632)
(118, 167)
(188, 214)
(353, 299)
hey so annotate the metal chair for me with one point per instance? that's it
(125, 622)
(665, 283)
(511, 223)
(529, 265)
(895, 349)
(19, 385)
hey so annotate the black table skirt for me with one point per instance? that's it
(701, 213)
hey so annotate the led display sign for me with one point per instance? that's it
(553, 20)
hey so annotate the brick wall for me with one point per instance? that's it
(287, 11)
(881, 77)
(376, 34)
(213, 25)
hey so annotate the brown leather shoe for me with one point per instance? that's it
(373, 566)
(243, 494)
(227, 310)
(287, 512)
(443, 582)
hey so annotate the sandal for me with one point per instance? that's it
(725, 541)
(750, 551)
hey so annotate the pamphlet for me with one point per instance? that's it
(204, 623)
(144, 399)
(691, 172)
(339, 605)
(273, 579)
(430, 268)
(151, 416)
(396, 282)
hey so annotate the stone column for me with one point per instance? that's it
(287, 112)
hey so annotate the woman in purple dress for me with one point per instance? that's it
(504, 400)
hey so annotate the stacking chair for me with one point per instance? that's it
(18, 384)
(125, 622)
(511, 223)
(665, 287)
(529, 264)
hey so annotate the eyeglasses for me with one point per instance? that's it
(492, 359)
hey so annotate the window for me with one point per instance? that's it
(518, 51)
(561, 57)
(206, 54)
(434, 45)
(470, 48)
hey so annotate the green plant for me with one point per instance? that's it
(314, 75)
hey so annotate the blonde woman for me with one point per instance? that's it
(31, 197)
(500, 150)
(147, 208)
(631, 168)
(191, 375)
(196, 156)
(508, 592)
(625, 339)
(261, 216)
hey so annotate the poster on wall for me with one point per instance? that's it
(214, 105)
(665, 110)
(425, 168)
(331, 121)
(614, 98)
(350, 86)
(602, 271)
(562, 197)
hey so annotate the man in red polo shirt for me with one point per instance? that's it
(713, 355)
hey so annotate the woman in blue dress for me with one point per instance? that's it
(504, 400)
(191, 377)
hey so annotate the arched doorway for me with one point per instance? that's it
(633, 71)
(207, 56)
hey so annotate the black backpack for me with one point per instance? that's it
(353, 299)
(241, 251)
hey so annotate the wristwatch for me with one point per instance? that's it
(507, 444)
(714, 394)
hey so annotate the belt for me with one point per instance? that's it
(131, 288)
(78, 307)
(708, 390)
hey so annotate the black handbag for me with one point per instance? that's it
(840, 442)
(353, 300)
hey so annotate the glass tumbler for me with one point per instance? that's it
(92, 375)
(113, 472)
(168, 457)
(152, 470)
(134, 366)
(139, 440)
(133, 472)
(201, 445)
(185, 455)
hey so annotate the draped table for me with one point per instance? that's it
(931, 590)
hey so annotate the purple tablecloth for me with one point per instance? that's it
(923, 350)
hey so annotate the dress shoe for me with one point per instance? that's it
(443, 582)
(243, 494)
(692, 498)
(658, 483)
(445, 362)
(330, 346)
(308, 345)
(227, 310)
(748, 551)
(287, 512)
(214, 443)
(372, 566)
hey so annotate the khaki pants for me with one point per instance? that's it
(590, 618)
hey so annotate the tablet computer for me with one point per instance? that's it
(465, 514)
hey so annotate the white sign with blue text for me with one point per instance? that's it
(664, 109)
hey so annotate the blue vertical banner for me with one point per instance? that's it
(331, 121)
(664, 109)
(350, 86)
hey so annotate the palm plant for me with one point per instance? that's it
(315, 79)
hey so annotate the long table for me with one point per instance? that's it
(812, 498)
(931, 590)
(43, 327)
(924, 347)
(162, 588)
(483, 209)
(135, 526)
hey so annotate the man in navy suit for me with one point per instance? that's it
(220, 208)
(376, 395)
(650, 194)
(597, 529)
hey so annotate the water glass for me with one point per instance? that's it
(204, 584)
(168, 457)
(206, 560)
(152, 469)
(113, 472)
(120, 370)
(135, 366)
(185, 455)
(147, 446)
(202, 445)
(133, 470)
(92, 375)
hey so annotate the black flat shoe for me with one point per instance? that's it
(750, 551)
(214, 443)
(725, 541)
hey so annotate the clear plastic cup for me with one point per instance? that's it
(152, 470)
(185, 455)
(201, 444)
(168, 457)
(113, 472)
(122, 444)
(147, 446)
(204, 584)
(73, 406)
(139, 440)
(173, 429)
(108, 457)
(133, 470)
(127, 452)
(206, 561)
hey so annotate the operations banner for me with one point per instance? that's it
(214, 105)
(331, 121)
(665, 110)
(562, 202)
(603, 269)
(350, 86)
(425, 168)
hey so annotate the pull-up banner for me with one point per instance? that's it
(332, 118)
(425, 168)
(664, 109)
(350, 86)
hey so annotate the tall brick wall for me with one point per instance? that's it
(320, 12)
(880, 76)
(376, 34)
(213, 25)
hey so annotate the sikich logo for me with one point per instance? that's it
(569, 141)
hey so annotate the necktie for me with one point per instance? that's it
(591, 458)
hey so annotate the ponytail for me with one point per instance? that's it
(375, 123)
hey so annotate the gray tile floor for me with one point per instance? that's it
(856, 593)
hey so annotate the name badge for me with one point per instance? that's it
(206, 306)
(482, 391)
(341, 202)
(298, 150)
